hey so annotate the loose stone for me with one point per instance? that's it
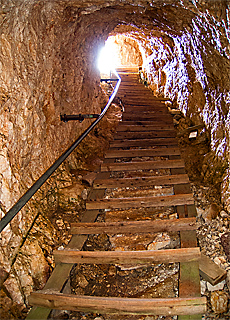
(219, 301)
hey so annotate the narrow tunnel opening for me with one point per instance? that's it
(108, 58)
(120, 50)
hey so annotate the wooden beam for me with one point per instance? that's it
(164, 118)
(117, 305)
(127, 257)
(119, 203)
(143, 142)
(210, 271)
(158, 151)
(143, 226)
(132, 128)
(143, 181)
(147, 117)
(154, 107)
(145, 134)
(142, 165)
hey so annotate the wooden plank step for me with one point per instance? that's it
(148, 110)
(146, 104)
(143, 226)
(142, 98)
(158, 151)
(117, 305)
(145, 134)
(127, 257)
(123, 203)
(210, 271)
(143, 142)
(146, 123)
(141, 181)
(154, 107)
(164, 118)
(133, 128)
(142, 165)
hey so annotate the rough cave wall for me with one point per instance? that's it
(194, 71)
(187, 60)
(48, 52)
(129, 53)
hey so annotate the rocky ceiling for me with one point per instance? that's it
(48, 55)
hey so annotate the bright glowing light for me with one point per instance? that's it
(108, 59)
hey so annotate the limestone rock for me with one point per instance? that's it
(211, 213)
(219, 301)
(216, 287)
(203, 286)
(81, 280)
(160, 242)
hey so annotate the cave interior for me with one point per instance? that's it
(49, 66)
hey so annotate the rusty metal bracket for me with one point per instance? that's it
(79, 117)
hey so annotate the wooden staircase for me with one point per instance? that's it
(144, 146)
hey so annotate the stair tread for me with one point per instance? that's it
(161, 201)
(159, 306)
(128, 257)
(148, 128)
(142, 226)
(143, 142)
(141, 181)
(144, 134)
(158, 151)
(145, 165)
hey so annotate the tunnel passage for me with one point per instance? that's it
(48, 66)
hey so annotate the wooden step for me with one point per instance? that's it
(144, 202)
(163, 118)
(142, 165)
(139, 99)
(142, 152)
(147, 123)
(143, 97)
(157, 107)
(139, 104)
(143, 142)
(117, 305)
(141, 181)
(145, 134)
(127, 257)
(142, 128)
(146, 111)
(150, 226)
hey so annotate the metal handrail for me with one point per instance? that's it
(33, 189)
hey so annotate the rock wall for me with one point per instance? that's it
(48, 59)
(187, 60)
(45, 71)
